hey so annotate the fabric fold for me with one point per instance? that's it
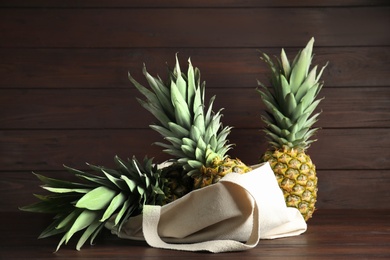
(231, 215)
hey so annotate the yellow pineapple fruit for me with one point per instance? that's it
(290, 102)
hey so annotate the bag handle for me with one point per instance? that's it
(150, 229)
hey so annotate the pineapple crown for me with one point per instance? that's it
(194, 133)
(292, 100)
(108, 193)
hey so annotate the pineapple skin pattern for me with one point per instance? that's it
(290, 102)
(296, 176)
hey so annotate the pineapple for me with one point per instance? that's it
(197, 141)
(289, 126)
(193, 133)
(105, 194)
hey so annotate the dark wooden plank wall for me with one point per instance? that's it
(65, 97)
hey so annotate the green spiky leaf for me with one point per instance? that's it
(96, 199)
(292, 98)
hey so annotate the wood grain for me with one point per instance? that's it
(118, 108)
(188, 3)
(331, 234)
(176, 27)
(65, 97)
(220, 67)
(337, 189)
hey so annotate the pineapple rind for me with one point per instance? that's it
(296, 176)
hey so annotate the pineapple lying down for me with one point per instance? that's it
(194, 137)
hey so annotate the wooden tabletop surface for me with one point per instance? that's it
(331, 234)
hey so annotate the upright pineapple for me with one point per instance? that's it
(290, 104)
(194, 133)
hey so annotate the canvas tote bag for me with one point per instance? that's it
(231, 215)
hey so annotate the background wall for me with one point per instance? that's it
(65, 97)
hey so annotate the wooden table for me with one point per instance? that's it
(331, 234)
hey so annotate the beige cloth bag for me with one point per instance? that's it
(231, 215)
